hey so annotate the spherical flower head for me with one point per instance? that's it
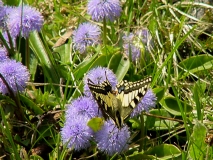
(76, 134)
(135, 51)
(98, 75)
(130, 46)
(4, 12)
(24, 19)
(3, 54)
(15, 74)
(83, 106)
(146, 38)
(104, 9)
(148, 102)
(111, 140)
(86, 35)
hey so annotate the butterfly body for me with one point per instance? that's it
(119, 103)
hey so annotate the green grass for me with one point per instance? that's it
(180, 63)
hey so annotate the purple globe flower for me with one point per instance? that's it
(86, 35)
(76, 134)
(98, 75)
(15, 74)
(24, 19)
(3, 54)
(130, 47)
(83, 106)
(137, 43)
(104, 9)
(4, 12)
(146, 38)
(148, 101)
(135, 51)
(111, 140)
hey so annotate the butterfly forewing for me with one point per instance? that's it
(104, 96)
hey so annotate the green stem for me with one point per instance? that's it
(142, 133)
(104, 32)
(105, 38)
(27, 54)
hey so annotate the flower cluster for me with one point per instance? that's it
(75, 132)
(85, 35)
(15, 74)
(135, 44)
(3, 54)
(109, 138)
(130, 48)
(146, 38)
(104, 9)
(15, 21)
(88, 34)
(20, 20)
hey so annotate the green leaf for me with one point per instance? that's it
(135, 123)
(159, 92)
(83, 67)
(164, 151)
(196, 63)
(100, 61)
(30, 105)
(96, 123)
(64, 52)
(45, 57)
(119, 64)
(140, 156)
(197, 94)
(197, 149)
(171, 105)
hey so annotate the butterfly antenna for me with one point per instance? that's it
(89, 81)
(106, 75)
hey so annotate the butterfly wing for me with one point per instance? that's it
(119, 104)
(130, 95)
(105, 97)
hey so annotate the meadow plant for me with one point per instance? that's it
(15, 74)
(76, 134)
(130, 48)
(112, 140)
(23, 19)
(3, 54)
(82, 106)
(104, 9)
(87, 34)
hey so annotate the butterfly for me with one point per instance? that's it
(119, 103)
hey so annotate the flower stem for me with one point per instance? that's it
(142, 133)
